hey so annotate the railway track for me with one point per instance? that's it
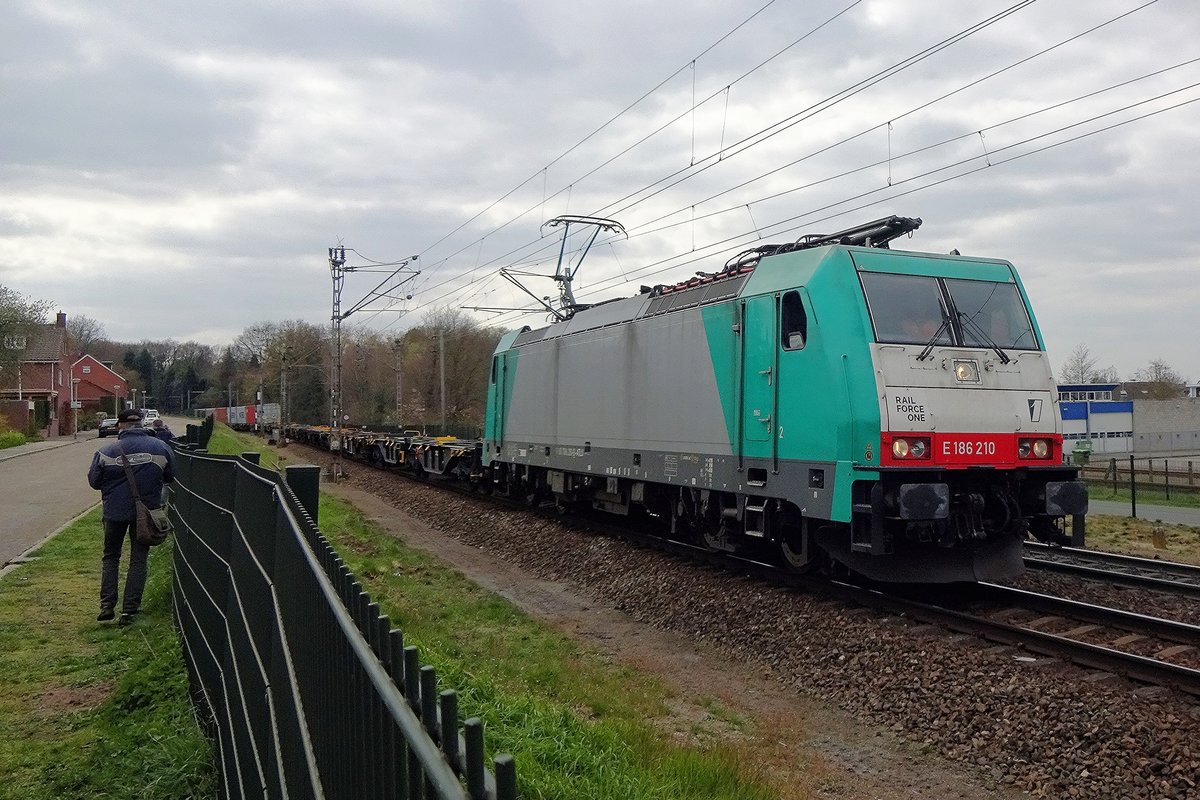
(1123, 570)
(1138, 647)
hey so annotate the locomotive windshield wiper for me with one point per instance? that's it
(928, 349)
(981, 334)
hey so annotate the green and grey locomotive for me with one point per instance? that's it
(837, 400)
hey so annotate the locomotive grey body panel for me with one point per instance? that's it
(645, 385)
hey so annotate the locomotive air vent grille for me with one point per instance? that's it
(700, 295)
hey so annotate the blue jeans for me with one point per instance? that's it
(115, 534)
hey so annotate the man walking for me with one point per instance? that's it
(153, 463)
(160, 429)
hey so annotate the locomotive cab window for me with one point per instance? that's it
(922, 309)
(992, 314)
(793, 322)
(906, 309)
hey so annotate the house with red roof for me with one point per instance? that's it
(99, 388)
(40, 398)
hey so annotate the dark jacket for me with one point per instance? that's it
(163, 433)
(153, 464)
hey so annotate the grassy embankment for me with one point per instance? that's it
(91, 710)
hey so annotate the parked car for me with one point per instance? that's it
(148, 416)
(108, 427)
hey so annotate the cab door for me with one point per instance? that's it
(760, 367)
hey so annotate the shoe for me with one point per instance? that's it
(126, 619)
(105, 614)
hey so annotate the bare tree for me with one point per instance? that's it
(1080, 367)
(85, 332)
(1161, 381)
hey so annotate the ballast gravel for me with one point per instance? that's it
(1033, 723)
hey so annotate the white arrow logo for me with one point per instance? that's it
(1035, 410)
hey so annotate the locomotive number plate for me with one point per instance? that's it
(979, 448)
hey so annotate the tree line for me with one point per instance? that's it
(1156, 381)
(435, 371)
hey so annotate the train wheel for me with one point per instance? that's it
(794, 558)
(795, 546)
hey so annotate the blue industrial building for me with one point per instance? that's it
(1096, 414)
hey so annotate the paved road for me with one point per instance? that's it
(44, 485)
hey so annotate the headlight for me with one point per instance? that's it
(909, 449)
(1033, 448)
(966, 371)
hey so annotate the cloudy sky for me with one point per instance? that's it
(179, 170)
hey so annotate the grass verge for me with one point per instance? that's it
(1157, 496)
(577, 724)
(88, 709)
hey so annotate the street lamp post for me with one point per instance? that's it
(75, 407)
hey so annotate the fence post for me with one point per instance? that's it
(305, 482)
(1132, 489)
(1113, 464)
(1191, 475)
(1167, 477)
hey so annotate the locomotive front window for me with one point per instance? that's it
(906, 309)
(991, 314)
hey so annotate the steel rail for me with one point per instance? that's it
(1134, 667)
(1125, 570)
(1180, 632)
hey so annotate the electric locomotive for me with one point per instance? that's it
(844, 403)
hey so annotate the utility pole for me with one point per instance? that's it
(396, 343)
(442, 368)
(338, 270)
(283, 398)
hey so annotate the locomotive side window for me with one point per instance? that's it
(793, 323)
(906, 309)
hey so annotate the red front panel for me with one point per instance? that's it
(959, 450)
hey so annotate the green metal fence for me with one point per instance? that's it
(309, 691)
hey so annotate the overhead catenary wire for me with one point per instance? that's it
(758, 229)
(567, 188)
(609, 122)
(636, 230)
(672, 263)
(746, 143)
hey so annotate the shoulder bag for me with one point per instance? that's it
(153, 524)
